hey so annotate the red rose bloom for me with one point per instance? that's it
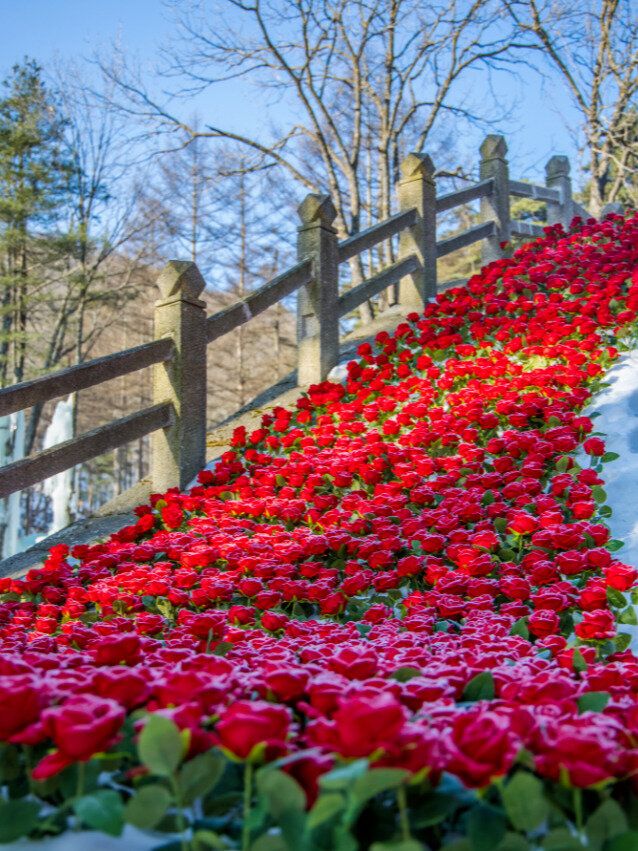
(81, 727)
(247, 724)
(483, 747)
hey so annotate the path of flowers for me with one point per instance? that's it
(410, 568)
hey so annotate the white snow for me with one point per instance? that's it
(618, 420)
(59, 487)
(131, 839)
(12, 433)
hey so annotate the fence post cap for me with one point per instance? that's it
(558, 165)
(416, 166)
(316, 210)
(493, 146)
(181, 277)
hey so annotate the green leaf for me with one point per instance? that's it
(267, 842)
(148, 806)
(605, 823)
(434, 808)
(17, 818)
(623, 842)
(199, 775)
(561, 840)
(325, 807)
(208, 839)
(616, 598)
(609, 456)
(405, 674)
(506, 554)
(280, 791)
(161, 746)
(480, 687)
(500, 524)
(622, 641)
(599, 493)
(485, 828)
(563, 463)
(614, 545)
(102, 810)
(343, 840)
(222, 648)
(593, 701)
(605, 511)
(513, 842)
(344, 776)
(405, 845)
(377, 780)
(628, 616)
(524, 802)
(579, 662)
(519, 627)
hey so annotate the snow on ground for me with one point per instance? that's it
(90, 840)
(617, 405)
(618, 421)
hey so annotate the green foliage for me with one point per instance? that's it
(161, 746)
(148, 806)
(524, 801)
(480, 687)
(102, 810)
(17, 818)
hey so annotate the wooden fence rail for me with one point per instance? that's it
(177, 417)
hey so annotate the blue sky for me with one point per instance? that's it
(45, 29)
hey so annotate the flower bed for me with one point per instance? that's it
(389, 618)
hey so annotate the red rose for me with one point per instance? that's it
(249, 723)
(483, 747)
(20, 704)
(594, 446)
(596, 626)
(620, 576)
(81, 727)
(585, 748)
(543, 622)
(172, 516)
(522, 523)
(363, 725)
(114, 649)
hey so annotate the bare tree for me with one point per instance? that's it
(100, 241)
(367, 82)
(592, 48)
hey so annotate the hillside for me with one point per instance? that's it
(393, 617)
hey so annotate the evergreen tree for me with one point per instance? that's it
(33, 183)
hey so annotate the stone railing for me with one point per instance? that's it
(177, 418)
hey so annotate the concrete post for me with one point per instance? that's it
(417, 188)
(557, 177)
(179, 451)
(317, 317)
(495, 207)
(612, 207)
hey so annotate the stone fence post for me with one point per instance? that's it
(417, 188)
(496, 206)
(317, 303)
(179, 451)
(557, 177)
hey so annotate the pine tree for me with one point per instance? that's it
(33, 183)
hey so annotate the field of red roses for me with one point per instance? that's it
(391, 618)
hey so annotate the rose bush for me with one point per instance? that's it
(390, 617)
